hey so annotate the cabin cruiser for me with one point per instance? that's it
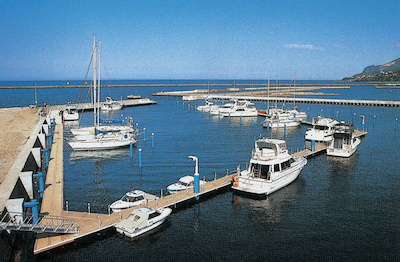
(271, 168)
(183, 183)
(131, 199)
(322, 129)
(344, 142)
(224, 108)
(239, 108)
(142, 220)
(208, 107)
(111, 105)
(70, 113)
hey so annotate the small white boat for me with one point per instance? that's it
(288, 113)
(70, 113)
(142, 220)
(271, 168)
(208, 107)
(131, 199)
(322, 129)
(182, 184)
(344, 142)
(111, 105)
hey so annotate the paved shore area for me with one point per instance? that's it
(16, 126)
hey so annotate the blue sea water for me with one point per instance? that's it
(337, 210)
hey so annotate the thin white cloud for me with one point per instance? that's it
(304, 47)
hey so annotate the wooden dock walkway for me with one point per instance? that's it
(90, 223)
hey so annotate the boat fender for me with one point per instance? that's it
(235, 184)
(235, 178)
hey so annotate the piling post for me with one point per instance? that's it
(374, 120)
(46, 156)
(88, 207)
(144, 133)
(35, 210)
(312, 145)
(41, 183)
(67, 205)
(337, 115)
(161, 194)
(240, 119)
(397, 123)
(131, 149)
(362, 123)
(196, 174)
(152, 140)
(284, 131)
(140, 157)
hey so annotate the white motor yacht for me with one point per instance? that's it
(239, 108)
(131, 199)
(111, 105)
(209, 106)
(183, 183)
(142, 220)
(271, 168)
(70, 113)
(280, 120)
(322, 129)
(344, 142)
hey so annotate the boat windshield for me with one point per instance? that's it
(185, 184)
(131, 198)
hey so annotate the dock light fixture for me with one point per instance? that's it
(196, 174)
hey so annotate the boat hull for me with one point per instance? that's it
(262, 187)
(134, 232)
(100, 145)
(343, 152)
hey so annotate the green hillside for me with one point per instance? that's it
(386, 72)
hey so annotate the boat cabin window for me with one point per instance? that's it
(277, 168)
(186, 184)
(153, 215)
(287, 164)
(132, 199)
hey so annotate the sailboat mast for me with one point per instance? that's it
(95, 104)
(294, 92)
(268, 98)
(98, 85)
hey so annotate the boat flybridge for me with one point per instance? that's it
(271, 168)
(131, 199)
(322, 129)
(142, 220)
(344, 142)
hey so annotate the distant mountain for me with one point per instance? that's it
(387, 72)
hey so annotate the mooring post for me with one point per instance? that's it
(131, 149)
(312, 145)
(140, 157)
(35, 210)
(144, 133)
(284, 131)
(66, 205)
(374, 120)
(46, 156)
(196, 174)
(152, 140)
(88, 207)
(362, 123)
(337, 115)
(40, 176)
(397, 123)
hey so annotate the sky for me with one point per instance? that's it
(197, 39)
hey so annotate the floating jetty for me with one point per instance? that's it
(90, 223)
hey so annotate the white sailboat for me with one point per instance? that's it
(106, 139)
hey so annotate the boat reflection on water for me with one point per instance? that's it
(273, 208)
(114, 154)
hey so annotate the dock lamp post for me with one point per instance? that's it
(196, 174)
(363, 122)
